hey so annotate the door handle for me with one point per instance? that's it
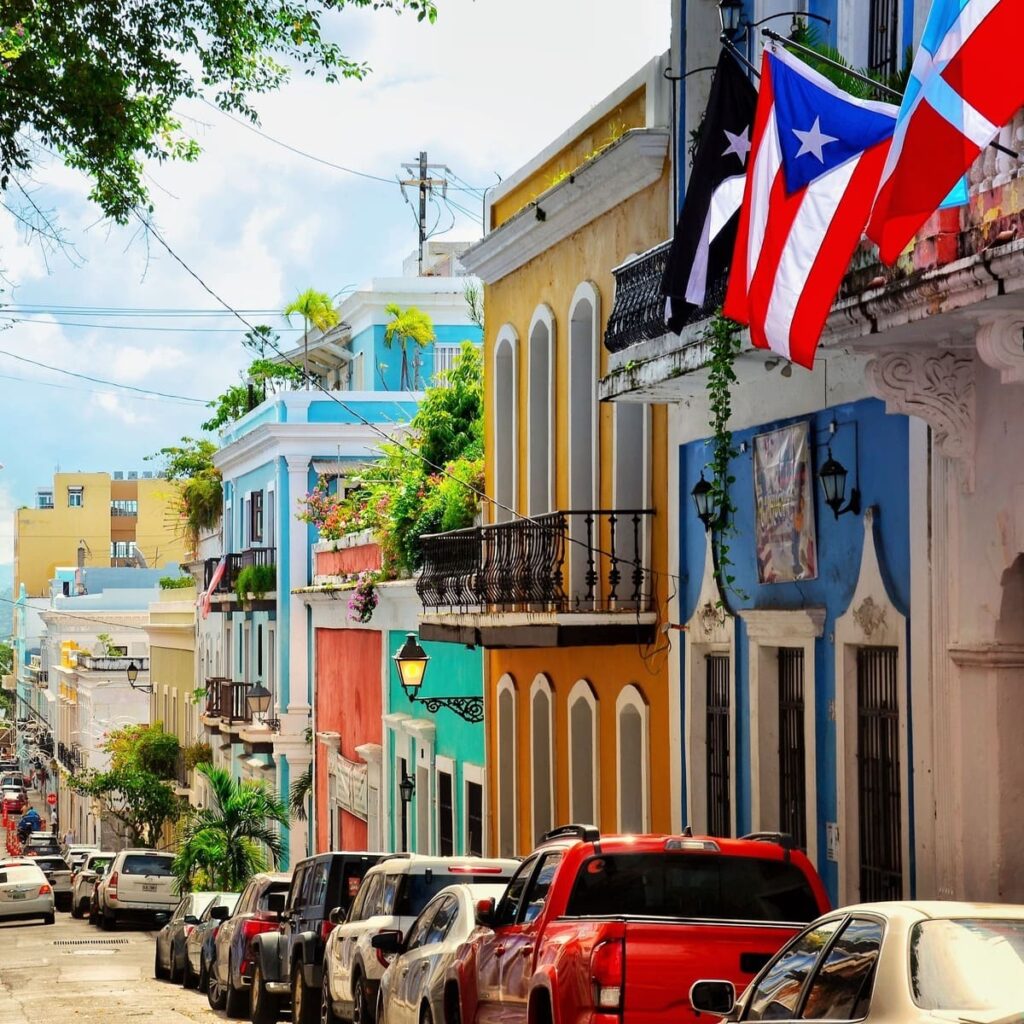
(499, 950)
(527, 950)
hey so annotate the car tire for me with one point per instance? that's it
(362, 1012)
(173, 974)
(452, 1006)
(264, 1008)
(305, 1006)
(215, 995)
(49, 919)
(426, 1014)
(159, 972)
(108, 920)
(189, 978)
(236, 1005)
(327, 1014)
(203, 982)
(76, 910)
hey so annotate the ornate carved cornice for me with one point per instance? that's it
(1001, 345)
(937, 387)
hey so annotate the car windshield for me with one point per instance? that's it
(968, 964)
(692, 885)
(51, 864)
(98, 864)
(147, 864)
(263, 902)
(416, 891)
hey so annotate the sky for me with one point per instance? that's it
(482, 90)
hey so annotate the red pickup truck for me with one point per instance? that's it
(616, 929)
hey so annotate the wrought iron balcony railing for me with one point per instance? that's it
(70, 756)
(237, 561)
(569, 561)
(639, 310)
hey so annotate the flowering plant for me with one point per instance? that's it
(364, 598)
(325, 511)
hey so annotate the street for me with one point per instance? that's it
(71, 971)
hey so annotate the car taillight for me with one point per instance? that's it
(189, 929)
(607, 965)
(45, 890)
(216, 929)
(325, 929)
(384, 959)
(112, 886)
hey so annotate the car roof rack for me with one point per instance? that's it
(783, 839)
(587, 833)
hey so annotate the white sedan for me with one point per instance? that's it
(412, 989)
(898, 963)
(24, 892)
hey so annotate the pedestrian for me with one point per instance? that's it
(53, 820)
(69, 837)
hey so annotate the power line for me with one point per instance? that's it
(88, 391)
(131, 311)
(101, 380)
(75, 615)
(137, 327)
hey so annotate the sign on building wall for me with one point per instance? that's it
(350, 785)
(784, 506)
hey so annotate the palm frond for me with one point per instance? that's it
(301, 788)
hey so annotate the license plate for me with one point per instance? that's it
(148, 888)
(18, 895)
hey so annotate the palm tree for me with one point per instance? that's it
(317, 309)
(225, 841)
(407, 325)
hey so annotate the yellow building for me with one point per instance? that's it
(93, 519)
(570, 604)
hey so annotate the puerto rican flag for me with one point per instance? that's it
(816, 157)
(205, 599)
(966, 83)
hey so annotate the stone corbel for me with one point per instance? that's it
(937, 387)
(1001, 345)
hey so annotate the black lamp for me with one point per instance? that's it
(257, 699)
(411, 661)
(702, 495)
(832, 475)
(133, 674)
(731, 13)
(407, 787)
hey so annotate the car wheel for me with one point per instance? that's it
(235, 1003)
(426, 1015)
(304, 1004)
(264, 1008)
(452, 1007)
(108, 920)
(203, 984)
(76, 910)
(48, 919)
(158, 969)
(327, 1014)
(215, 994)
(189, 978)
(173, 974)
(362, 1012)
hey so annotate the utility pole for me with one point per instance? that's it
(426, 184)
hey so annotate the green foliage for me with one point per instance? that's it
(723, 336)
(6, 658)
(407, 326)
(223, 844)
(301, 790)
(110, 649)
(200, 493)
(147, 748)
(99, 81)
(404, 495)
(263, 377)
(474, 296)
(176, 582)
(137, 801)
(256, 580)
(196, 754)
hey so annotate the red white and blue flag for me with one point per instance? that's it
(205, 599)
(815, 162)
(966, 83)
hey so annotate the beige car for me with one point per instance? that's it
(897, 963)
(138, 886)
(24, 891)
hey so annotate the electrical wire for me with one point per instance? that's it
(89, 391)
(76, 615)
(136, 328)
(128, 311)
(101, 380)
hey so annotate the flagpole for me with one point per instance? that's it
(731, 47)
(775, 37)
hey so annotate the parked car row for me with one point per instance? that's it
(588, 929)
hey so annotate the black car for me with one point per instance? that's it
(289, 962)
(169, 957)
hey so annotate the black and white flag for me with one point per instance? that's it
(698, 262)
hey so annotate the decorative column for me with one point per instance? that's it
(294, 682)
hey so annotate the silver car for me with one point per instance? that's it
(58, 874)
(412, 989)
(83, 880)
(24, 892)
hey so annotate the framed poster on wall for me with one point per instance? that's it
(784, 535)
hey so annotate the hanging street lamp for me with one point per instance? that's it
(406, 789)
(411, 661)
(832, 475)
(133, 674)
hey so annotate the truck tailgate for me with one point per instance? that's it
(664, 958)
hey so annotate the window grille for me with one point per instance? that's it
(719, 803)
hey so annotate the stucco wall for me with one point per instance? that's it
(348, 702)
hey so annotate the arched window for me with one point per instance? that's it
(583, 755)
(507, 767)
(632, 760)
(542, 756)
(631, 458)
(541, 413)
(506, 420)
(584, 316)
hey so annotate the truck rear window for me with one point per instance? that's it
(692, 886)
(416, 891)
(146, 864)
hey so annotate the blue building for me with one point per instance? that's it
(270, 459)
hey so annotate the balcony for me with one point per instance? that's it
(236, 562)
(639, 311)
(226, 703)
(70, 756)
(568, 578)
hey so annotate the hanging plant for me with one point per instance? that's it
(364, 598)
(723, 337)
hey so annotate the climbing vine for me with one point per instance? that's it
(723, 336)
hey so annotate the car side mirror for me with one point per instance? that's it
(337, 915)
(717, 997)
(389, 942)
(485, 913)
(276, 902)
(191, 919)
(219, 913)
